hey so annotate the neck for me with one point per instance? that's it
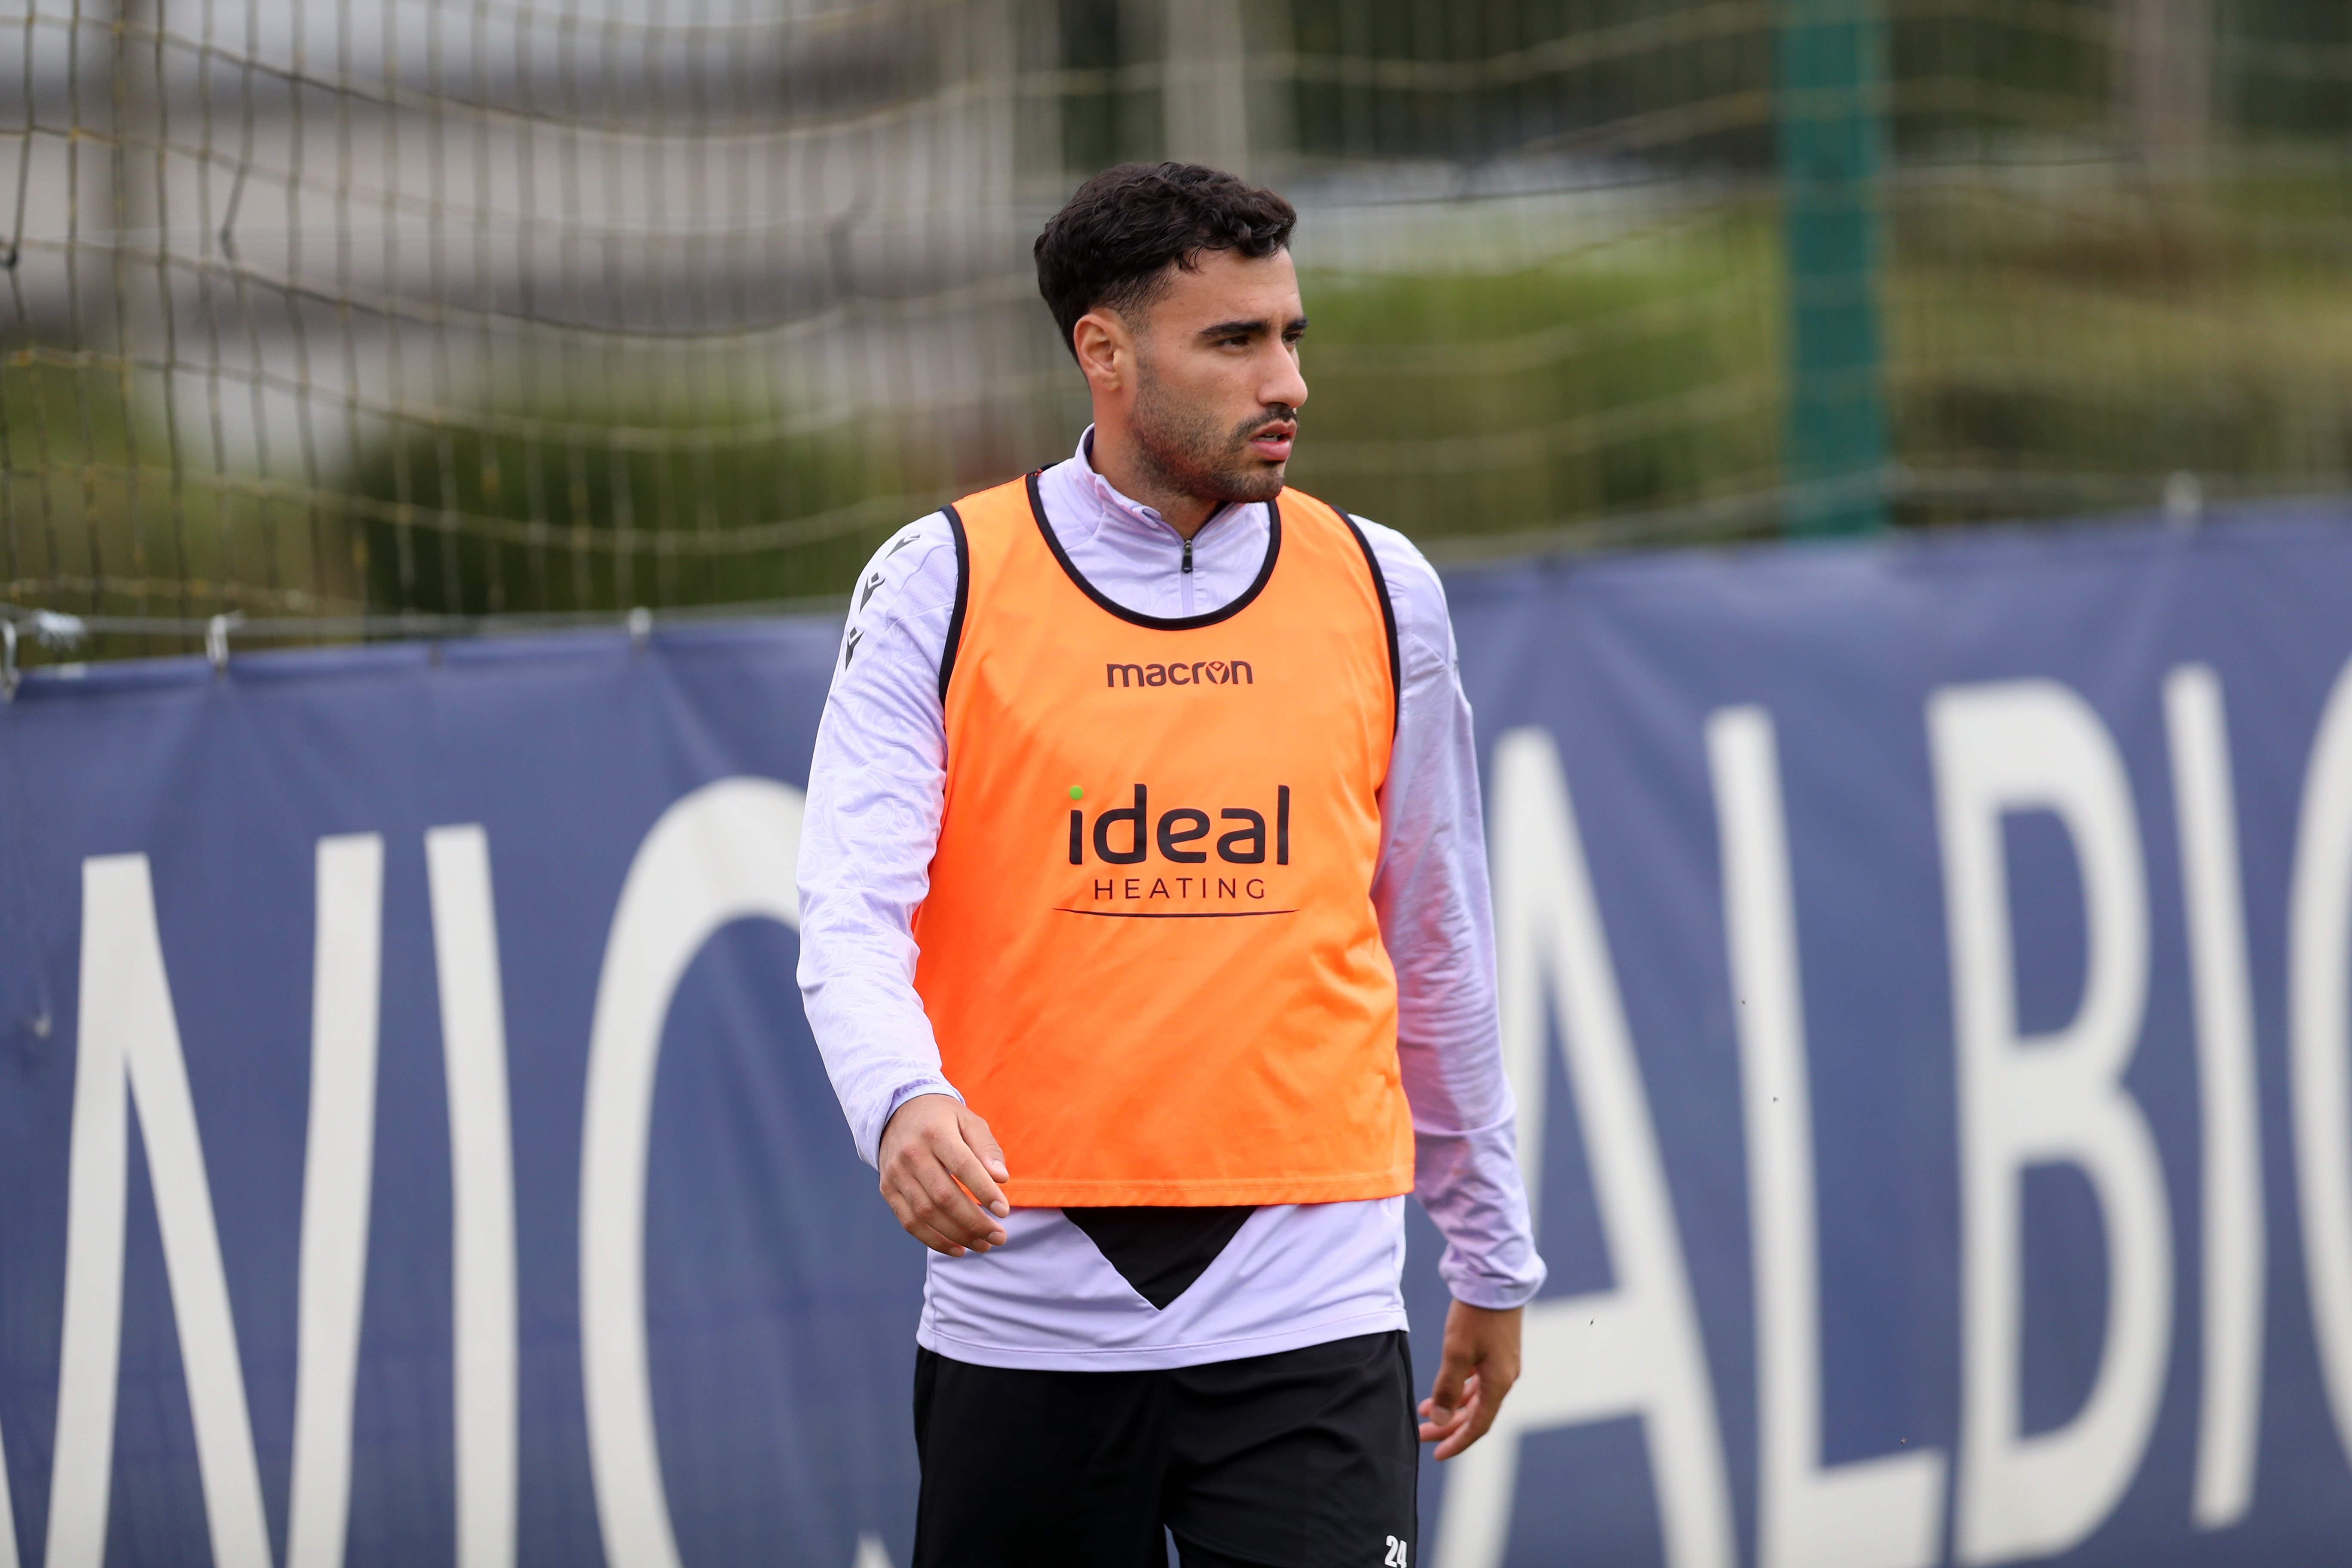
(1118, 458)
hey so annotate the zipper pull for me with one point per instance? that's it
(1188, 555)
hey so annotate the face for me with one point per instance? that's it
(1214, 389)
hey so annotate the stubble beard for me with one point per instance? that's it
(1188, 453)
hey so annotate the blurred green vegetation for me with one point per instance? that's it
(2078, 302)
(2053, 349)
(1638, 376)
(1686, 83)
(1681, 81)
(2056, 349)
(515, 512)
(2057, 344)
(594, 507)
(101, 512)
(2286, 61)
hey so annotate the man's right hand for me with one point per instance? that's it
(937, 1159)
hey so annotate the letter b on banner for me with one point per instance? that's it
(2046, 1099)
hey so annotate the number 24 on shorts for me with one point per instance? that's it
(1395, 1559)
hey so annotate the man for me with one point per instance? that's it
(1145, 931)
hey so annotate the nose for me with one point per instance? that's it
(1283, 384)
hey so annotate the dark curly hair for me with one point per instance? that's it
(1115, 239)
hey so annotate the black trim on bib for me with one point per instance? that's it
(1160, 1251)
(1388, 619)
(1161, 623)
(964, 590)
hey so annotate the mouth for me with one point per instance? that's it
(1272, 442)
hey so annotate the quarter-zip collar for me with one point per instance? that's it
(1128, 553)
(1117, 511)
(1118, 520)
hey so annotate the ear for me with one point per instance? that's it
(1105, 349)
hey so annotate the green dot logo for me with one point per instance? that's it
(1078, 794)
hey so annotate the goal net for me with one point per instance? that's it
(352, 317)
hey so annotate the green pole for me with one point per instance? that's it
(1830, 108)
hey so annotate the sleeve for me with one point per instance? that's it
(1437, 917)
(876, 784)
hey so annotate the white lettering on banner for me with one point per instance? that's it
(726, 852)
(1634, 1349)
(2230, 1415)
(481, 1191)
(7, 1515)
(1882, 1513)
(2319, 951)
(338, 1170)
(2048, 1099)
(128, 1053)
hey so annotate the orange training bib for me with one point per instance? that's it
(1148, 952)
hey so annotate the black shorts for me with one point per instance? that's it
(1293, 1460)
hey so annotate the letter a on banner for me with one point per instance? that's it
(2044, 1100)
(1634, 1349)
(1881, 1513)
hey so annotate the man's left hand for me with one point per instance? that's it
(1477, 1369)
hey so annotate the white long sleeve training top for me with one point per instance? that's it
(1295, 1274)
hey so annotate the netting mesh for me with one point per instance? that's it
(357, 315)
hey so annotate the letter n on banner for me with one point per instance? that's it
(1634, 1349)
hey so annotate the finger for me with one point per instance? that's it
(914, 1225)
(952, 1213)
(1459, 1438)
(1438, 1421)
(918, 1211)
(984, 1145)
(1438, 1431)
(1451, 1390)
(965, 1166)
(925, 1227)
(1434, 1415)
(931, 1238)
(1475, 1417)
(1447, 1420)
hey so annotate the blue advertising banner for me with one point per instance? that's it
(1927, 982)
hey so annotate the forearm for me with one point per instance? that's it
(868, 833)
(1490, 1258)
(1436, 919)
(869, 1026)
